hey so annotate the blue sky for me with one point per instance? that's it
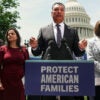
(37, 13)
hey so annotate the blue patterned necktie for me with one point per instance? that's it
(58, 35)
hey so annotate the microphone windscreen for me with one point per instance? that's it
(51, 43)
(63, 40)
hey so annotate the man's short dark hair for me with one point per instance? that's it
(59, 3)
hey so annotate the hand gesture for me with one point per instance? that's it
(33, 42)
(83, 44)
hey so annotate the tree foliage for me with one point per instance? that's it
(8, 15)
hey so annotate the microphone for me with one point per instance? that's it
(49, 51)
(51, 43)
(64, 42)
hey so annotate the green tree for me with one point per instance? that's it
(8, 15)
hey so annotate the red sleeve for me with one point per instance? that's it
(1, 54)
(26, 54)
(2, 50)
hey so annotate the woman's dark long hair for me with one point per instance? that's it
(18, 37)
(97, 28)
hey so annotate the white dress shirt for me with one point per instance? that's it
(61, 29)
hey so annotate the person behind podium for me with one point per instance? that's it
(12, 61)
(93, 53)
(48, 46)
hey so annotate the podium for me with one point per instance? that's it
(59, 77)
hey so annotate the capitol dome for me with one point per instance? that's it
(76, 17)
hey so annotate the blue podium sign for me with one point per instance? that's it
(59, 77)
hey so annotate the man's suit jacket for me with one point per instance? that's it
(46, 34)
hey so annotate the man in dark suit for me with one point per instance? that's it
(49, 33)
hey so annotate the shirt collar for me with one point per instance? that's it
(61, 24)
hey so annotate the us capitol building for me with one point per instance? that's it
(76, 17)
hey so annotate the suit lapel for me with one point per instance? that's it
(66, 31)
(51, 31)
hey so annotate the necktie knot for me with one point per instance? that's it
(57, 25)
